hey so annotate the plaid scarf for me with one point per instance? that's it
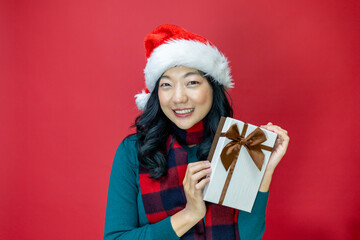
(165, 197)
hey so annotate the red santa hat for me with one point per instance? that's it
(169, 46)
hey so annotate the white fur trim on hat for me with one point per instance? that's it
(141, 100)
(188, 53)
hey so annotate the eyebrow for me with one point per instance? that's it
(185, 75)
(192, 73)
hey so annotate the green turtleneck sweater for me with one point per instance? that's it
(125, 214)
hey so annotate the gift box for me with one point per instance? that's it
(239, 155)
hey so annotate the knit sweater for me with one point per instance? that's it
(125, 215)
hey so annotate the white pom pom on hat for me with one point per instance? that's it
(169, 46)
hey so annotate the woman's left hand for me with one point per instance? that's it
(281, 145)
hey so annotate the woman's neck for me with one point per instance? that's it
(189, 137)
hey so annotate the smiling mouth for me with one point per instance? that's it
(184, 111)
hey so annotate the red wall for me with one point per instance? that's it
(69, 71)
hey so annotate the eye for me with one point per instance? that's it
(193, 83)
(165, 84)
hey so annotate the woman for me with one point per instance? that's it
(158, 174)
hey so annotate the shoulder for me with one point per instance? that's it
(129, 143)
(130, 140)
(126, 152)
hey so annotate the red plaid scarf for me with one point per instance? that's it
(165, 197)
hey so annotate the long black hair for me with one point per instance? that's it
(153, 129)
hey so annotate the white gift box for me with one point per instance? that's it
(237, 186)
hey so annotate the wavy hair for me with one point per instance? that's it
(153, 128)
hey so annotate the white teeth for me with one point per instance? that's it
(185, 111)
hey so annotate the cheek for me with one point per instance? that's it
(164, 101)
(162, 98)
(205, 98)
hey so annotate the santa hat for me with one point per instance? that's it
(169, 46)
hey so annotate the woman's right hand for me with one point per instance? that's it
(194, 181)
(195, 208)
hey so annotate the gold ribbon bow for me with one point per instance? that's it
(230, 153)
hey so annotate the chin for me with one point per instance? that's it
(187, 124)
(184, 126)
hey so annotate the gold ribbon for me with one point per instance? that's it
(230, 153)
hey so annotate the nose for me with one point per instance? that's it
(180, 95)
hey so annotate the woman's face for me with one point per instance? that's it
(185, 96)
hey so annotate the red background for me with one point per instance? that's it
(70, 69)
